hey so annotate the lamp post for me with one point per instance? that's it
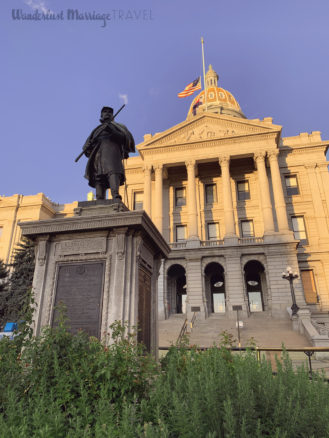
(291, 276)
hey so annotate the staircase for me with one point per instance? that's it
(169, 329)
(265, 331)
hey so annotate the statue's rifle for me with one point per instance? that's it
(84, 149)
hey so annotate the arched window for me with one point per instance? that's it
(176, 289)
(254, 273)
(215, 288)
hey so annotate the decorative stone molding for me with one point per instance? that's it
(138, 219)
(310, 166)
(42, 250)
(147, 167)
(224, 160)
(215, 259)
(259, 156)
(170, 263)
(274, 153)
(190, 163)
(158, 167)
(81, 246)
(211, 143)
(198, 129)
(121, 242)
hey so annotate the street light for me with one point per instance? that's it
(291, 276)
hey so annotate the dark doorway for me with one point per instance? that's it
(215, 288)
(255, 282)
(176, 287)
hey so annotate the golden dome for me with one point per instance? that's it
(218, 100)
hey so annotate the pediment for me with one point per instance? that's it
(209, 127)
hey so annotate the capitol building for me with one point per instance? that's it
(237, 204)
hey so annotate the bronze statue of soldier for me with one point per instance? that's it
(106, 147)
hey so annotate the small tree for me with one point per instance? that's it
(4, 289)
(19, 297)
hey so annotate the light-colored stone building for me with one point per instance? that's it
(236, 202)
(19, 208)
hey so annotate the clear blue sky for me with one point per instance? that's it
(55, 76)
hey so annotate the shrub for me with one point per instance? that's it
(62, 385)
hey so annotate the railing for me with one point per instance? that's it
(219, 242)
(183, 330)
(207, 243)
(308, 351)
(177, 245)
(193, 320)
(250, 240)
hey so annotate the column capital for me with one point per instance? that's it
(190, 163)
(224, 160)
(274, 153)
(259, 155)
(310, 166)
(147, 167)
(158, 166)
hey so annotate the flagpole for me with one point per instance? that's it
(204, 74)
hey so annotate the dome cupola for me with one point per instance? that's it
(215, 99)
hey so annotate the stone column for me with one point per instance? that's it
(224, 162)
(191, 201)
(320, 214)
(264, 193)
(147, 189)
(280, 204)
(158, 211)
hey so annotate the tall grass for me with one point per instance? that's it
(61, 385)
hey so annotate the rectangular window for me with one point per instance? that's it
(243, 190)
(291, 185)
(180, 196)
(212, 231)
(311, 296)
(247, 229)
(180, 233)
(138, 200)
(298, 226)
(1, 231)
(211, 195)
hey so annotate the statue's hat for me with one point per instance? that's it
(107, 108)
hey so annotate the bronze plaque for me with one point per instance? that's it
(144, 308)
(79, 288)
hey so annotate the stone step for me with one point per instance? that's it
(259, 329)
(169, 329)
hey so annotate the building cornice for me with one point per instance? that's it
(210, 143)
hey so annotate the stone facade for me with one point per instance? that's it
(117, 253)
(232, 194)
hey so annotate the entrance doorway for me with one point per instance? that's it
(176, 289)
(255, 282)
(215, 288)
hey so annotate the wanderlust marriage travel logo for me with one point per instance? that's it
(115, 15)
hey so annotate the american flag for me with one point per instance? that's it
(190, 88)
(195, 106)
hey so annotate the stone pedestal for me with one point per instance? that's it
(103, 264)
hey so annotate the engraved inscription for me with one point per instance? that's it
(79, 288)
(144, 308)
(84, 246)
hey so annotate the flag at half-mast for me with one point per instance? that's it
(190, 88)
